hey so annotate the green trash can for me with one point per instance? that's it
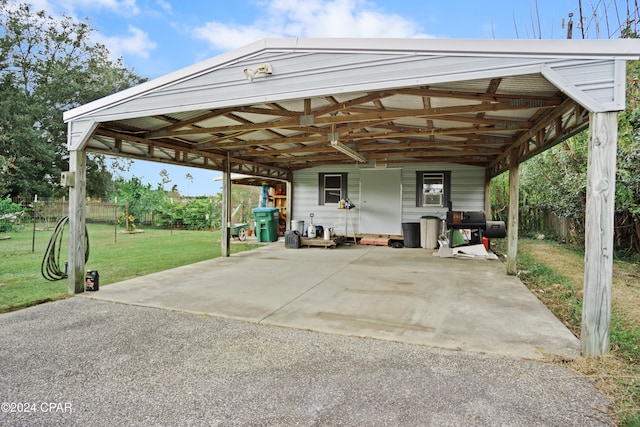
(266, 224)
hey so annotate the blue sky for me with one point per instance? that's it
(156, 37)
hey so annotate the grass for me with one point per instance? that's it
(116, 258)
(555, 273)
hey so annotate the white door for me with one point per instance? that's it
(381, 201)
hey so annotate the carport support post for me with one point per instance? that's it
(598, 254)
(77, 190)
(289, 203)
(514, 188)
(487, 195)
(226, 208)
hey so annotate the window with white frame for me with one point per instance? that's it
(432, 188)
(332, 187)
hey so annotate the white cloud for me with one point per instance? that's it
(310, 18)
(40, 5)
(136, 43)
(225, 36)
(122, 7)
(165, 5)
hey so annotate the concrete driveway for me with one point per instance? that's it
(403, 295)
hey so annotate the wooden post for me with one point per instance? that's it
(77, 191)
(35, 220)
(487, 195)
(226, 208)
(598, 256)
(512, 237)
(289, 203)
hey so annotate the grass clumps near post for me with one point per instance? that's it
(555, 274)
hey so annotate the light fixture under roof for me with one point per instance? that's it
(348, 151)
(264, 69)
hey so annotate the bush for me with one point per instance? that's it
(199, 214)
(196, 214)
(10, 215)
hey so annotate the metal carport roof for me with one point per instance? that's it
(390, 100)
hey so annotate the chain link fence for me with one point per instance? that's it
(47, 212)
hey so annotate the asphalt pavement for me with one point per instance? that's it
(87, 362)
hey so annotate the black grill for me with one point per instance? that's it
(475, 220)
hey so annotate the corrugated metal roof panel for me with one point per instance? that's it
(406, 100)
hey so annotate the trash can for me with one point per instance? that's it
(429, 230)
(411, 234)
(266, 224)
(298, 224)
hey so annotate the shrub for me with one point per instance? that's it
(10, 215)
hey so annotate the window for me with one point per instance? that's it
(433, 188)
(332, 187)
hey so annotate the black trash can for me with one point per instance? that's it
(411, 234)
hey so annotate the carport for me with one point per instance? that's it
(281, 105)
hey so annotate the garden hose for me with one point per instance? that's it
(51, 262)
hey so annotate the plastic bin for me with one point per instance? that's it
(411, 234)
(292, 239)
(429, 230)
(266, 224)
(298, 224)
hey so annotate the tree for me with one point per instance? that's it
(189, 178)
(247, 197)
(48, 65)
(164, 176)
(6, 165)
(555, 181)
(135, 199)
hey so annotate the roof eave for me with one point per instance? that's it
(626, 49)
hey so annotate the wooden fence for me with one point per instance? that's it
(626, 233)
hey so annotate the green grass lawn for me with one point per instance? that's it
(115, 257)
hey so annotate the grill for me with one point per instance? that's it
(475, 220)
(472, 219)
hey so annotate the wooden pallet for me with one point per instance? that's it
(378, 239)
(320, 242)
(374, 241)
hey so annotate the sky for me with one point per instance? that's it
(156, 37)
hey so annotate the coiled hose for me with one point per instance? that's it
(50, 268)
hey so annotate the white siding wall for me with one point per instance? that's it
(305, 198)
(467, 193)
(467, 190)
